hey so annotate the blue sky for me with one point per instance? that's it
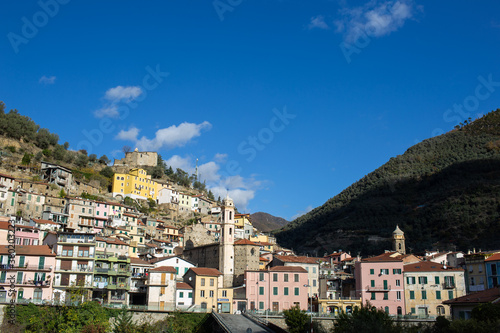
(284, 103)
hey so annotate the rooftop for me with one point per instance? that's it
(429, 266)
(204, 271)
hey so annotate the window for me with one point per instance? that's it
(190, 295)
(422, 279)
(285, 277)
(384, 271)
(386, 309)
(372, 271)
(436, 280)
(211, 282)
(314, 269)
(275, 291)
(480, 266)
(181, 294)
(202, 282)
(296, 277)
(385, 285)
(410, 280)
(296, 291)
(261, 276)
(314, 282)
(424, 294)
(211, 293)
(202, 293)
(413, 310)
(450, 294)
(224, 293)
(285, 291)
(438, 294)
(398, 283)
(261, 305)
(373, 296)
(412, 294)
(396, 271)
(261, 290)
(275, 277)
(372, 283)
(398, 295)
(386, 295)
(19, 277)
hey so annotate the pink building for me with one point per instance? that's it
(27, 235)
(379, 280)
(101, 216)
(278, 289)
(33, 270)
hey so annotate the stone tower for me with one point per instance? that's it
(398, 240)
(226, 253)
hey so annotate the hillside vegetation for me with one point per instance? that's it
(443, 192)
(266, 222)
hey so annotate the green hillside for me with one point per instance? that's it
(443, 192)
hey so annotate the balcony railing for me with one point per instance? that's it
(26, 267)
(448, 285)
(77, 270)
(139, 275)
(27, 283)
(378, 288)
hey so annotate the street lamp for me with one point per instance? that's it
(310, 306)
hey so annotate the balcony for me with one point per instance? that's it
(448, 285)
(378, 288)
(88, 270)
(45, 268)
(28, 283)
(139, 276)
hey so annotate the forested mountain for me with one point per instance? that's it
(443, 192)
(266, 222)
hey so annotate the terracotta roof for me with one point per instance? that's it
(183, 285)
(244, 242)
(298, 259)
(111, 241)
(151, 245)
(486, 296)
(4, 225)
(263, 259)
(25, 226)
(6, 176)
(45, 222)
(494, 257)
(204, 271)
(429, 266)
(29, 250)
(155, 260)
(127, 214)
(264, 243)
(296, 269)
(165, 269)
(384, 257)
(138, 261)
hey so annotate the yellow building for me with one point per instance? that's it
(205, 282)
(336, 306)
(241, 219)
(136, 184)
(225, 300)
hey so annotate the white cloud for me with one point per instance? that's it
(110, 111)
(300, 213)
(184, 163)
(220, 158)
(130, 135)
(173, 136)
(114, 96)
(318, 22)
(209, 172)
(47, 80)
(374, 19)
(119, 93)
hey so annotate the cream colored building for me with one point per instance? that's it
(162, 288)
(206, 283)
(428, 285)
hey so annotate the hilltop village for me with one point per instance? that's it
(74, 243)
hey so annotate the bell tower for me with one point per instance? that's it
(226, 257)
(398, 240)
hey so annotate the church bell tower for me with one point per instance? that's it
(226, 257)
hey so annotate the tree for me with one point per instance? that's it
(44, 139)
(82, 160)
(66, 145)
(210, 195)
(366, 318)
(104, 160)
(296, 320)
(59, 153)
(93, 158)
(107, 172)
(123, 322)
(26, 159)
(126, 149)
(156, 172)
(169, 171)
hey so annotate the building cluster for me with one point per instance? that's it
(70, 248)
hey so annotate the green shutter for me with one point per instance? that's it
(372, 271)
(285, 292)
(19, 277)
(385, 284)
(438, 294)
(436, 279)
(2, 276)
(412, 294)
(41, 262)
(425, 279)
(21, 261)
(372, 283)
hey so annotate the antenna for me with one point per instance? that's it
(196, 170)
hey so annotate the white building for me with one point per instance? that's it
(162, 288)
(184, 296)
(180, 265)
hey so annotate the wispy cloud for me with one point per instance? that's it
(115, 95)
(173, 136)
(129, 135)
(374, 19)
(47, 80)
(241, 189)
(303, 212)
(318, 22)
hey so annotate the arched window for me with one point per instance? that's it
(230, 231)
(440, 310)
(386, 309)
(400, 246)
(204, 305)
(400, 311)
